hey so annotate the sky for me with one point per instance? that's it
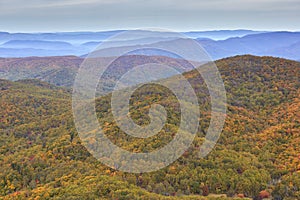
(176, 15)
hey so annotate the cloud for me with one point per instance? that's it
(225, 5)
(59, 3)
(232, 5)
(149, 13)
(19, 4)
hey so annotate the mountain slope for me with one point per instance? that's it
(41, 154)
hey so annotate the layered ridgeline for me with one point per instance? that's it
(257, 154)
(219, 44)
(80, 43)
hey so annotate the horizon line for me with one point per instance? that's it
(131, 29)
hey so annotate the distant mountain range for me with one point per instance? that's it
(277, 44)
(37, 44)
(221, 34)
(71, 37)
(81, 37)
(218, 44)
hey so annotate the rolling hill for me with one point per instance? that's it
(257, 153)
(61, 71)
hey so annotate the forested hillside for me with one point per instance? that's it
(61, 70)
(257, 155)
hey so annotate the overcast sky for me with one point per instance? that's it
(177, 15)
